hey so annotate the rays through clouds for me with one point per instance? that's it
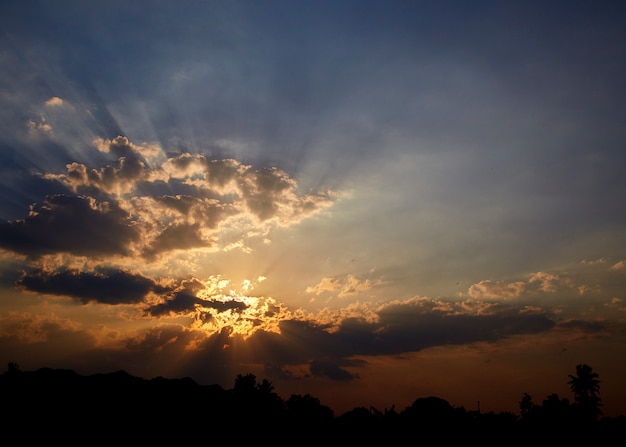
(349, 198)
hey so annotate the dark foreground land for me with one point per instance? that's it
(56, 405)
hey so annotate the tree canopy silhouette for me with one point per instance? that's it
(586, 388)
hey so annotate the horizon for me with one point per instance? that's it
(365, 201)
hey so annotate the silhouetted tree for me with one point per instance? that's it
(307, 407)
(526, 406)
(586, 388)
(359, 426)
(270, 401)
(555, 411)
(13, 368)
(256, 402)
(245, 385)
(430, 414)
(429, 410)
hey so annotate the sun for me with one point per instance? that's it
(236, 309)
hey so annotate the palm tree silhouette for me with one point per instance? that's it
(586, 388)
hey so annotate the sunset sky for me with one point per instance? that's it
(366, 201)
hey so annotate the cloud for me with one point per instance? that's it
(548, 281)
(185, 202)
(104, 286)
(616, 304)
(180, 303)
(349, 285)
(39, 127)
(119, 178)
(177, 237)
(594, 261)
(123, 147)
(401, 327)
(118, 209)
(331, 370)
(353, 285)
(78, 225)
(55, 101)
(590, 327)
(422, 322)
(487, 289)
(538, 282)
(166, 210)
(183, 302)
(266, 194)
(325, 285)
(619, 266)
(114, 287)
(56, 113)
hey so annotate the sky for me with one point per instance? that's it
(365, 201)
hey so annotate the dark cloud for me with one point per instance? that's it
(330, 370)
(181, 303)
(122, 149)
(18, 188)
(107, 287)
(182, 204)
(210, 212)
(222, 306)
(592, 327)
(410, 327)
(405, 327)
(177, 237)
(219, 173)
(76, 225)
(185, 301)
(438, 330)
(262, 191)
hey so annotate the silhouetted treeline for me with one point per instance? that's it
(60, 405)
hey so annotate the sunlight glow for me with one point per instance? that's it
(241, 313)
